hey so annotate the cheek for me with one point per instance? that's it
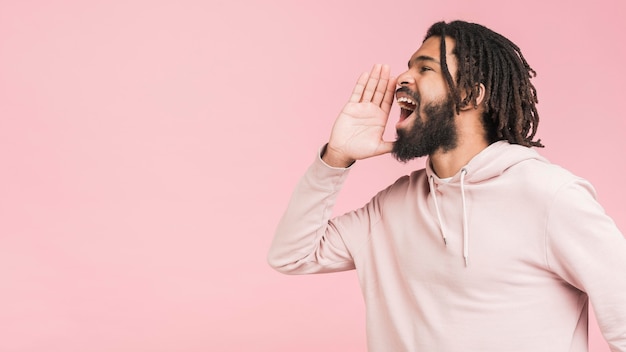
(432, 93)
(437, 86)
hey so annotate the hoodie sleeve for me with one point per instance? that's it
(306, 240)
(586, 249)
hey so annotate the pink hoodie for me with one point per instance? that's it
(505, 256)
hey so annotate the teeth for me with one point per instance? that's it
(406, 103)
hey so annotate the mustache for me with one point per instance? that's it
(414, 95)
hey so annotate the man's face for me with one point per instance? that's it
(427, 117)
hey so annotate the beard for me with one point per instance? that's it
(431, 131)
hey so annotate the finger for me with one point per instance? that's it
(381, 87)
(357, 92)
(390, 94)
(372, 83)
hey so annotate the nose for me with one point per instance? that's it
(405, 79)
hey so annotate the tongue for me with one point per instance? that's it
(404, 113)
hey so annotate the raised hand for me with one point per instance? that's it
(358, 130)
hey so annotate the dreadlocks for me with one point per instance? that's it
(489, 58)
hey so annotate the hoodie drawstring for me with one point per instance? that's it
(434, 193)
(465, 225)
(465, 222)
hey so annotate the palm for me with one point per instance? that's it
(358, 130)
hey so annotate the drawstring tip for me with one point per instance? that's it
(465, 258)
(445, 241)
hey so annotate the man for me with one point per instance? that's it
(490, 247)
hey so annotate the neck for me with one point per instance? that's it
(471, 141)
(449, 163)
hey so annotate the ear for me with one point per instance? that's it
(474, 97)
(481, 94)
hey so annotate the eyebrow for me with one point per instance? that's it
(424, 58)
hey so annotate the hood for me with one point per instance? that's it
(489, 163)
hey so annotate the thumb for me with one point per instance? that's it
(385, 147)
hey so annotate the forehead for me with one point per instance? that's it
(431, 49)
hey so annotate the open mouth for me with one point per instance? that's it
(407, 106)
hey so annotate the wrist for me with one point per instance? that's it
(335, 159)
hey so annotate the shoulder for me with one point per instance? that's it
(415, 178)
(547, 181)
(544, 174)
(406, 185)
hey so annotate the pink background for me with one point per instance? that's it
(148, 149)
